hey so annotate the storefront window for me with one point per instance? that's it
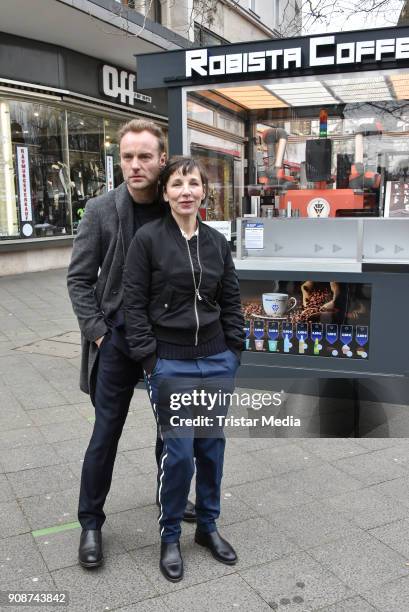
(52, 161)
(198, 112)
(222, 161)
(87, 163)
(221, 152)
(230, 124)
(34, 179)
(333, 145)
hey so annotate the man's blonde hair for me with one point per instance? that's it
(143, 125)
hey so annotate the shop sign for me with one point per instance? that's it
(224, 227)
(26, 213)
(316, 51)
(254, 236)
(119, 85)
(109, 166)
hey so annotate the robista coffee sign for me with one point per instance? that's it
(382, 48)
(314, 52)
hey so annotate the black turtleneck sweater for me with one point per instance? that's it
(142, 213)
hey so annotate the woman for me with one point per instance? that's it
(183, 321)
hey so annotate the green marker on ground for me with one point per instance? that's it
(57, 529)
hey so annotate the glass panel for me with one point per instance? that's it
(347, 159)
(218, 157)
(206, 38)
(222, 158)
(197, 112)
(332, 145)
(36, 202)
(87, 163)
(230, 124)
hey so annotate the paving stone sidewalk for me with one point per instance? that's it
(320, 525)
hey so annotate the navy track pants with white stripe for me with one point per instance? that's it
(186, 445)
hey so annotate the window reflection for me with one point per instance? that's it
(39, 129)
(87, 168)
(112, 157)
(52, 161)
(324, 146)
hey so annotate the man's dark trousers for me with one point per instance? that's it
(117, 376)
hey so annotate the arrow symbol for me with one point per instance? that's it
(336, 248)
(378, 248)
(317, 248)
(278, 247)
(398, 249)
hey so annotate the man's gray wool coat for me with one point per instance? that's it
(94, 277)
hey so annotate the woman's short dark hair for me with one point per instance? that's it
(185, 165)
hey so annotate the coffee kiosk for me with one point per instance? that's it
(306, 143)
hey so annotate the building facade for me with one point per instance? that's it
(210, 22)
(62, 101)
(63, 98)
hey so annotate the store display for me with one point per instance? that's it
(41, 171)
(308, 318)
(321, 162)
(220, 168)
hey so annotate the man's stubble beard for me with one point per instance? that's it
(146, 194)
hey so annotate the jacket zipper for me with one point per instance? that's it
(197, 294)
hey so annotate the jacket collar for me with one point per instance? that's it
(174, 227)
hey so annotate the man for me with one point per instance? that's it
(94, 282)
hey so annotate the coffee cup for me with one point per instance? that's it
(278, 304)
(259, 345)
(272, 346)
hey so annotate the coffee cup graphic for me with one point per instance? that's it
(278, 304)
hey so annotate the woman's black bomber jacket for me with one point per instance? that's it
(159, 295)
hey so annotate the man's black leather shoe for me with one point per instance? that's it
(220, 549)
(171, 562)
(90, 550)
(189, 515)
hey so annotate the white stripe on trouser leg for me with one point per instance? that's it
(150, 393)
(162, 470)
